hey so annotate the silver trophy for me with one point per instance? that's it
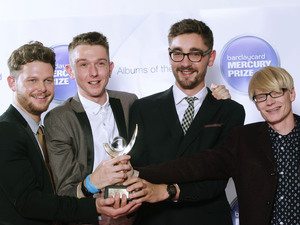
(116, 148)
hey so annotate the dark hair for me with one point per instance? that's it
(33, 51)
(90, 38)
(189, 26)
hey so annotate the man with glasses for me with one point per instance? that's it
(262, 158)
(167, 132)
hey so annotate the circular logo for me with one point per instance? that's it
(235, 212)
(242, 57)
(65, 87)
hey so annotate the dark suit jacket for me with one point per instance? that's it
(70, 140)
(246, 156)
(26, 195)
(161, 139)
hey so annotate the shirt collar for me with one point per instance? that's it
(31, 122)
(179, 95)
(274, 134)
(93, 107)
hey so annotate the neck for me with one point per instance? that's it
(284, 127)
(36, 118)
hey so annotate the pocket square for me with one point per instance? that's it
(214, 125)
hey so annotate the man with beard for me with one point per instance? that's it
(26, 188)
(167, 132)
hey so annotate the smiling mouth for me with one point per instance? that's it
(187, 72)
(272, 110)
(94, 82)
(41, 97)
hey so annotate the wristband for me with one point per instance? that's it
(89, 186)
(86, 191)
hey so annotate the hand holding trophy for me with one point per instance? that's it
(118, 147)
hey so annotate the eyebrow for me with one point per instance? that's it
(85, 60)
(190, 50)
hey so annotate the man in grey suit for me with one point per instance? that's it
(26, 191)
(77, 129)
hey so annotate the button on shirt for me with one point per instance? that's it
(286, 209)
(103, 125)
(181, 105)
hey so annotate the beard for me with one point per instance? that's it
(188, 82)
(32, 107)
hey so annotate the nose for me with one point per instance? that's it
(42, 86)
(186, 62)
(93, 70)
(270, 100)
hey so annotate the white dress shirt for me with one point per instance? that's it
(181, 105)
(103, 124)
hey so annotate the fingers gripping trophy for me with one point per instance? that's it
(119, 147)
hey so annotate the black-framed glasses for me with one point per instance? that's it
(192, 56)
(274, 94)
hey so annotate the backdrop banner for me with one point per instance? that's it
(246, 39)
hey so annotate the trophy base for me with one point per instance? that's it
(111, 190)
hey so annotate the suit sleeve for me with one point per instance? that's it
(62, 143)
(208, 189)
(216, 163)
(139, 156)
(24, 179)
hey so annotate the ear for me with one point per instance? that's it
(292, 95)
(70, 71)
(212, 58)
(111, 67)
(11, 83)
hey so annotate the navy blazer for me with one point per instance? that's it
(26, 195)
(161, 139)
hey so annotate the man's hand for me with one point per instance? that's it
(144, 191)
(219, 91)
(111, 171)
(115, 208)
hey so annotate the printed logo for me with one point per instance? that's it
(242, 57)
(65, 87)
(235, 212)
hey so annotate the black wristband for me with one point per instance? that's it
(85, 191)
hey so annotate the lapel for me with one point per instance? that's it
(207, 111)
(87, 130)
(20, 120)
(118, 112)
(265, 146)
(168, 112)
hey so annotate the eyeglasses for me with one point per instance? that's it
(192, 56)
(274, 94)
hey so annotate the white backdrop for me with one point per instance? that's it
(137, 33)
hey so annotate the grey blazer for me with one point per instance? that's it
(70, 140)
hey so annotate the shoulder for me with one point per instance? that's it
(252, 128)
(65, 109)
(121, 94)
(225, 105)
(154, 98)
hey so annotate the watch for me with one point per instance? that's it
(172, 191)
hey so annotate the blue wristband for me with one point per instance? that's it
(89, 186)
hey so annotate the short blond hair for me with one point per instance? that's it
(270, 78)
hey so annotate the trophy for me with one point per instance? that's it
(118, 147)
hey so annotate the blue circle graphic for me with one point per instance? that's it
(242, 57)
(65, 87)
